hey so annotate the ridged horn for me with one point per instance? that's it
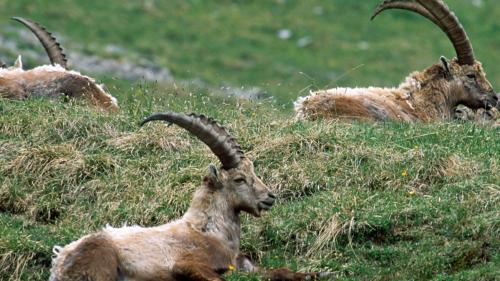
(216, 137)
(49, 42)
(409, 5)
(452, 27)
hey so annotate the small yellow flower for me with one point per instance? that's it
(412, 193)
(404, 173)
(231, 267)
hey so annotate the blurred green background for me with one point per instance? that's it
(236, 43)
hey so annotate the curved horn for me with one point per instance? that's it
(452, 27)
(409, 5)
(216, 137)
(52, 47)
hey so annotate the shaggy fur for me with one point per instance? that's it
(52, 81)
(200, 246)
(426, 96)
(481, 116)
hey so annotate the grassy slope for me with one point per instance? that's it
(392, 201)
(366, 201)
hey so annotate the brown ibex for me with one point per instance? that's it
(201, 246)
(51, 80)
(426, 96)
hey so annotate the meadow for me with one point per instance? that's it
(365, 201)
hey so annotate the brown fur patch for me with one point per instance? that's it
(208, 251)
(95, 258)
(194, 271)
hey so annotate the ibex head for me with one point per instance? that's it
(235, 180)
(466, 76)
(469, 84)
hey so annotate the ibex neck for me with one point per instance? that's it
(210, 213)
(433, 99)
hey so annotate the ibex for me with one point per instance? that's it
(50, 80)
(426, 96)
(200, 246)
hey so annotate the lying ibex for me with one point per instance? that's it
(202, 245)
(50, 80)
(426, 96)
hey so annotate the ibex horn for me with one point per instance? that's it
(216, 137)
(52, 47)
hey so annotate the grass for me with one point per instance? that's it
(364, 201)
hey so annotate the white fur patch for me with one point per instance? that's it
(411, 84)
(19, 62)
(57, 250)
(114, 101)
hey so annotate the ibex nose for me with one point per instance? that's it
(270, 194)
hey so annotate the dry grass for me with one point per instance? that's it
(46, 160)
(328, 234)
(455, 166)
(158, 138)
(15, 264)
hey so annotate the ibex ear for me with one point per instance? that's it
(446, 67)
(214, 177)
(18, 63)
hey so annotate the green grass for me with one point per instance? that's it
(365, 201)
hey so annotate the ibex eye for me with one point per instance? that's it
(240, 180)
(471, 76)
